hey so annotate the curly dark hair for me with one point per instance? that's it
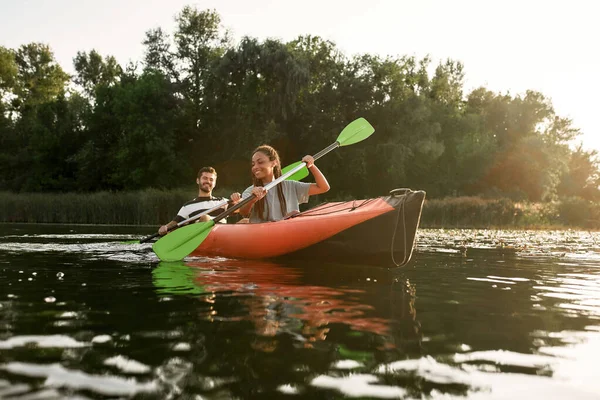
(273, 156)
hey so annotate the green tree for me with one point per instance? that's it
(39, 78)
(93, 71)
(35, 121)
(145, 153)
(252, 93)
(201, 100)
(582, 178)
(532, 145)
(8, 72)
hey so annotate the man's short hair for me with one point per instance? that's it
(210, 170)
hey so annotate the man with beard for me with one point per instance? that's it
(206, 180)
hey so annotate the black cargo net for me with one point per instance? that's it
(355, 204)
(401, 211)
(351, 206)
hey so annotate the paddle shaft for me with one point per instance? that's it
(187, 221)
(283, 177)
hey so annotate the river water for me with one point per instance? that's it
(475, 314)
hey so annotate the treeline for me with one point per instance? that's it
(198, 99)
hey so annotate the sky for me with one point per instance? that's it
(507, 46)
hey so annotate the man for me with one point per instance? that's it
(206, 180)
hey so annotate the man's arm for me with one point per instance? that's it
(165, 228)
(233, 200)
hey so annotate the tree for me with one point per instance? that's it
(582, 178)
(145, 153)
(92, 71)
(33, 119)
(39, 78)
(8, 72)
(201, 100)
(198, 42)
(252, 94)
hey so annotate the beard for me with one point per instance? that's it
(207, 188)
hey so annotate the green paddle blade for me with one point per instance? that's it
(178, 244)
(298, 176)
(175, 278)
(355, 131)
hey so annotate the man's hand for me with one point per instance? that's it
(163, 230)
(236, 197)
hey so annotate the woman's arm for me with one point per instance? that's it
(321, 185)
(259, 192)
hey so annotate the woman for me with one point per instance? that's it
(284, 199)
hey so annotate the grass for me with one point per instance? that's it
(154, 207)
(146, 207)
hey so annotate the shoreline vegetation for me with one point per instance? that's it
(197, 98)
(152, 207)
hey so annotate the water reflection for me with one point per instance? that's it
(279, 299)
(582, 292)
(476, 314)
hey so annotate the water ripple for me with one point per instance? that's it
(51, 341)
(56, 376)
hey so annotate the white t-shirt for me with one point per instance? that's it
(199, 205)
(295, 193)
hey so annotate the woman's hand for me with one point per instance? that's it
(309, 160)
(321, 185)
(259, 192)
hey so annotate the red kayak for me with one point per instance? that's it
(377, 231)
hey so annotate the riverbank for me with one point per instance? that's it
(153, 207)
(144, 207)
(476, 212)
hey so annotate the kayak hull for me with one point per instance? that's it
(379, 231)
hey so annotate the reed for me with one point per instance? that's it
(476, 212)
(154, 207)
(144, 207)
(575, 211)
(468, 212)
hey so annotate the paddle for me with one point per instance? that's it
(300, 174)
(178, 244)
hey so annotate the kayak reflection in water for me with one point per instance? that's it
(285, 201)
(279, 301)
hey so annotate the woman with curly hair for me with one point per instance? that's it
(284, 199)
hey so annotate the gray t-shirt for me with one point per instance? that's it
(295, 193)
